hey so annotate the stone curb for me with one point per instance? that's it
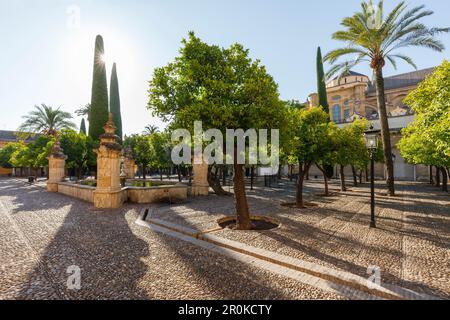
(319, 283)
(384, 291)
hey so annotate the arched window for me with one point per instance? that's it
(336, 113)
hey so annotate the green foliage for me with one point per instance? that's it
(79, 150)
(223, 88)
(98, 114)
(351, 144)
(321, 83)
(150, 150)
(83, 127)
(46, 120)
(427, 140)
(295, 104)
(312, 135)
(376, 38)
(7, 151)
(33, 155)
(160, 150)
(114, 102)
(84, 111)
(150, 129)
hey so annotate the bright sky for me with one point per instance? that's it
(46, 56)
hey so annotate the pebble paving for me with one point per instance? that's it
(42, 234)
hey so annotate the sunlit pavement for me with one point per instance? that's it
(43, 235)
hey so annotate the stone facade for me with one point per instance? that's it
(108, 193)
(353, 97)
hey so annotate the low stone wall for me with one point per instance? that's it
(175, 193)
(85, 193)
(156, 194)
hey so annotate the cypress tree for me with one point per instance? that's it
(114, 101)
(83, 126)
(98, 115)
(321, 85)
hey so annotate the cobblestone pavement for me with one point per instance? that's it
(43, 234)
(411, 245)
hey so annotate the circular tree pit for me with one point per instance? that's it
(260, 223)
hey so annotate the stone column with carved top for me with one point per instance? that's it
(108, 194)
(129, 164)
(56, 167)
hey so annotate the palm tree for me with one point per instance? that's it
(374, 37)
(84, 111)
(150, 129)
(47, 121)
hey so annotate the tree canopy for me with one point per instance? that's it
(46, 120)
(427, 140)
(114, 102)
(79, 150)
(222, 87)
(99, 108)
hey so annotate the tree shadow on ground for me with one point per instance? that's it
(331, 257)
(63, 232)
(219, 275)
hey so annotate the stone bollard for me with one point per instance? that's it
(56, 167)
(200, 185)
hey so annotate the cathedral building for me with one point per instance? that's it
(354, 97)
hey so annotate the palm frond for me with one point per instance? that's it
(334, 55)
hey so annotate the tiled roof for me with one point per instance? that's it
(11, 136)
(403, 80)
(351, 73)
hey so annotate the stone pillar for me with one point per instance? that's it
(56, 167)
(108, 193)
(200, 185)
(313, 100)
(129, 168)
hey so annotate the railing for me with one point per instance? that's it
(371, 118)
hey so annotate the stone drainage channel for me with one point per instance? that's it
(343, 283)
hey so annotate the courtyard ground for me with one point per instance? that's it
(42, 234)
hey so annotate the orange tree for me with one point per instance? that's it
(222, 87)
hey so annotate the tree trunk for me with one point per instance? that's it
(224, 175)
(161, 174)
(341, 174)
(325, 179)
(444, 180)
(242, 211)
(385, 132)
(144, 170)
(355, 176)
(300, 180)
(366, 171)
(431, 175)
(360, 177)
(252, 177)
(179, 173)
(214, 183)
(438, 177)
